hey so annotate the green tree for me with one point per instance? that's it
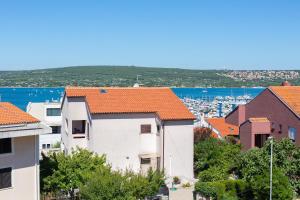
(286, 156)
(105, 184)
(72, 170)
(214, 159)
(282, 189)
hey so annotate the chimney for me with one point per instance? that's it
(286, 83)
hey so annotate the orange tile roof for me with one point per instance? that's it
(223, 127)
(10, 114)
(290, 95)
(133, 100)
(259, 119)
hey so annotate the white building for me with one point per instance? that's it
(19, 153)
(50, 114)
(136, 128)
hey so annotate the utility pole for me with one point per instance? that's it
(271, 165)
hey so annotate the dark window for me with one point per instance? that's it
(5, 178)
(145, 161)
(44, 146)
(48, 146)
(56, 129)
(5, 145)
(280, 128)
(146, 128)
(78, 126)
(53, 112)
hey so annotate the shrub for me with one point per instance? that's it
(176, 180)
(201, 133)
(186, 185)
(229, 189)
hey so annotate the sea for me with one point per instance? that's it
(22, 96)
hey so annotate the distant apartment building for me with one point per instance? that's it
(19, 153)
(50, 114)
(274, 112)
(136, 128)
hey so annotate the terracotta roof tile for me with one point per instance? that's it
(133, 100)
(10, 114)
(223, 127)
(290, 95)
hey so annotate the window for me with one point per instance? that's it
(280, 129)
(46, 146)
(5, 178)
(145, 161)
(78, 126)
(53, 112)
(56, 129)
(5, 145)
(292, 133)
(146, 128)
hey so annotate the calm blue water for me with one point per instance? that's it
(21, 96)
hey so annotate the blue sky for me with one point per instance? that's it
(237, 34)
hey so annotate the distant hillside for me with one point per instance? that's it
(126, 76)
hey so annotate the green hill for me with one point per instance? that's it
(126, 76)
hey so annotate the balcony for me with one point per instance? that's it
(78, 133)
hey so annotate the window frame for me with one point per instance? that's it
(12, 149)
(11, 177)
(52, 115)
(295, 133)
(141, 129)
(56, 132)
(147, 160)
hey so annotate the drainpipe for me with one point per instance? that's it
(36, 159)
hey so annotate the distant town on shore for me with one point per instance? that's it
(148, 76)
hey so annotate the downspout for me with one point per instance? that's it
(36, 155)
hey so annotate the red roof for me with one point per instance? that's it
(133, 100)
(222, 127)
(10, 114)
(290, 95)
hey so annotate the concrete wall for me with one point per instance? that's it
(118, 137)
(179, 152)
(39, 111)
(268, 105)
(24, 169)
(73, 109)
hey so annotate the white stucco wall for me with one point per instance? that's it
(73, 109)
(24, 169)
(39, 111)
(179, 149)
(118, 136)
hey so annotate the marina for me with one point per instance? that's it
(202, 102)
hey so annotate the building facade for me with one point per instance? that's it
(50, 114)
(19, 153)
(136, 128)
(274, 112)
